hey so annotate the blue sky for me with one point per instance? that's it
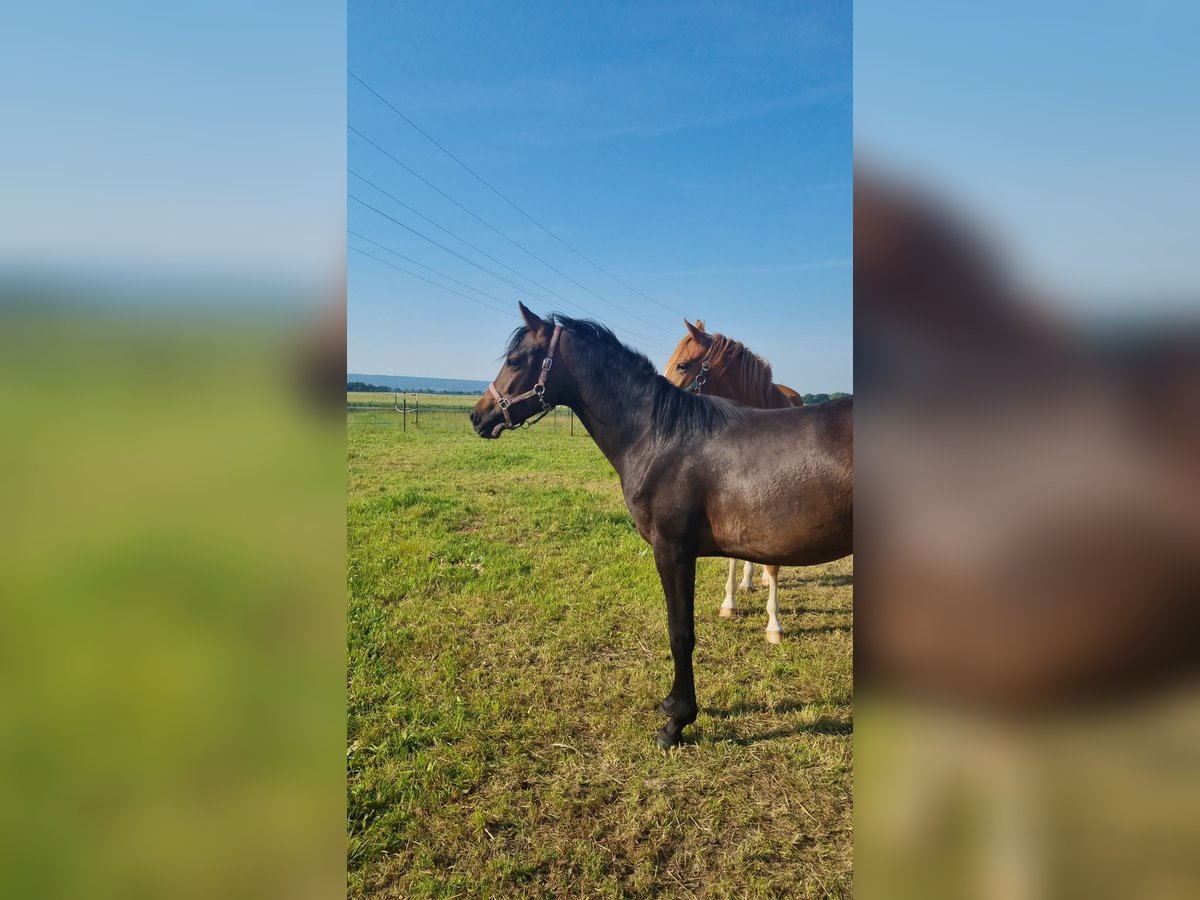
(177, 141)
(700, 152)
(1069, 130)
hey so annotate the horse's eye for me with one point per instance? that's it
(682, 367)
(512, 363)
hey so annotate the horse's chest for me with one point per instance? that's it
(640, 510)
(662, 509)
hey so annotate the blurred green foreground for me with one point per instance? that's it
(172, 625)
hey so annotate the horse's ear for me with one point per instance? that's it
(697, 331)
(700, 324)
(532, 319)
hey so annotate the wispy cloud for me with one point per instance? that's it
(620, 100)
(838, 263)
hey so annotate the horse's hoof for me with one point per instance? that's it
(774, 637)
(728, 612)
(664, 741)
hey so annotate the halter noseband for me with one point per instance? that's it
(538, 391)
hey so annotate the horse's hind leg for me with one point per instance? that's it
(748, 576)
(729, 607)
(774, 629)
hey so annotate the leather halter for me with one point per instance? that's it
(538, 390)
(698, 382)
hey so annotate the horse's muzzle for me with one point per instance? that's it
(484, 429)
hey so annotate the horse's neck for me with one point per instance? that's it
(614, 420)
(732, 386)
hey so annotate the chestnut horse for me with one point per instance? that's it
(694, 470)
(722, 367)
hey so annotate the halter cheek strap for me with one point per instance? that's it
(538, 390)
(698, 383)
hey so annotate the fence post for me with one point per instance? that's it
(417, 412)
(571, 416)
(405, 412)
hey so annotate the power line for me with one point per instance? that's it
(483, 221)
(451, 251)
(469, 287)
(478, 250)
(502, 312)
(486, 184)
(441, 274)
(409, 259)
(496, 275)
(498, 262)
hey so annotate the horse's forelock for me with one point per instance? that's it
(514, 340)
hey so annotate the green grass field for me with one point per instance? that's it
(507, 648)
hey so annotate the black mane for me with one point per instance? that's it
(621, 371)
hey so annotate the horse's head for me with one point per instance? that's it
(524, 387)
(686, 364)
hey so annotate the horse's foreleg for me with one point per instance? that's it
(729, 607)
(774, 629)
(677, 572)
(748, 576)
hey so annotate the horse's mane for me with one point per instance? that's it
(623, 372)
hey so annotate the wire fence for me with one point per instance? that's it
(433, 413)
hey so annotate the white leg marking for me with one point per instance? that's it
(774, 629)
(728, 608)
(748, 576)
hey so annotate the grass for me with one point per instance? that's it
(507, 647)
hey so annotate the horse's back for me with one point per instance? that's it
(780, 487)
(826, 427)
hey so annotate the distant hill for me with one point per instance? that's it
(418, 383)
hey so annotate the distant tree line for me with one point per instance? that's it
(822, 398)
(361, 387)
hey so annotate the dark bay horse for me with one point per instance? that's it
(719, 366)
(701, 476)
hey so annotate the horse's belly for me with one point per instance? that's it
(782, 526)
